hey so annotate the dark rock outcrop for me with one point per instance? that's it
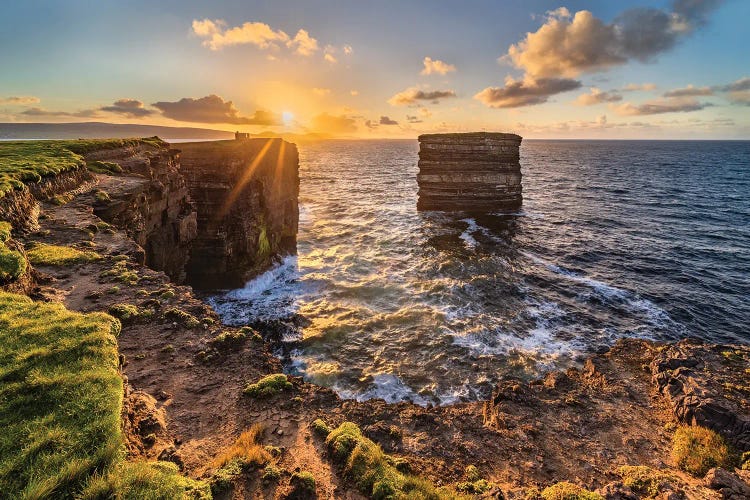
(477, 171)
(246, 198)
(701, 384)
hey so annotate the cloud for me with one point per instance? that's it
(216, 36)
(370, 124)
(132, 108)
(321, 91)
(631, 87)
(426, 113)
(567, 45)
(436, 67)
(85, 113)
(212, 109)
(517, 93)
(354, 92)
(655, 107)
(597, 96)
(348, 50)
(341, 124)
(689, 91)
(413, 95)
(19, 100)
(738, 92)
(413, 119)
(304, 44)
(384, 120)
(330, 58)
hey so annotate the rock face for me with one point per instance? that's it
(477, 171)
(152, 205)
(245, 192)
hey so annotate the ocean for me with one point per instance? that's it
(645, 239)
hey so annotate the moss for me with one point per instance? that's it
(246, 449)
(104, 167)
(61, 396)
(146, 481)
(120, 272)
(371, 470)
(268, 386)
(569, 491)
(101, 196)
(303, 485)
(472, 473)
(643, 480)
(264, 247)
(228, 338)
(320, 428)
(5, 230)
(182, 317)
(696, 449)
(271, 473)
(129, 312)
(12, 264)
(56, 255)
(223, 479)
(474, 483)
(745, 461)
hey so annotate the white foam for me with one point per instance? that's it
(265, 281)
(469, 240)
(386, 386)
(632, 301)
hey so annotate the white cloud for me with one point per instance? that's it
(304, 44)
(436, 66)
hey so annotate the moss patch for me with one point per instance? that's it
(569, 491)
(12, 264)
(56, 255)
(146, 481)
(104, 167)
(696, 449)
(372, 471)
(268, 386)
(644, 480)
(5, 230)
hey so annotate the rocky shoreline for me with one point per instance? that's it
(186, 374)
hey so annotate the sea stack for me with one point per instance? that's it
(477, 171)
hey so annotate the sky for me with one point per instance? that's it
(369, 69)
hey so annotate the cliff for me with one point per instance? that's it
(245, 193)
(477, 171)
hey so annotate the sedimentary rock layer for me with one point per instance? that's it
(245, 192)
(477, 171)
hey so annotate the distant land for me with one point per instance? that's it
(100, 130)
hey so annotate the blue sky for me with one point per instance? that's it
(356, 71)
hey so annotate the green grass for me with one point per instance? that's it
(104, 167)
(372, 471)
(12, 264)
(268, 386)
(569, 491)
(5, 230)
(644, 480)
(23, 162)
(60, 397)
(696, 449)
(60, 410)
(43, 254)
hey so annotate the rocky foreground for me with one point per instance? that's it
(607, 429)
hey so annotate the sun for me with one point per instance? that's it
(287, 117)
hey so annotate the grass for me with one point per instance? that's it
(60, 410)
(271, 473)
(120, 272)
(104, 167)
(12, 264)
(43, 254)
(5, 230)
(569, 491)
(60, 395)
(696, 449)
(146, 481)
(183, 317)
(268, 386)
(643, 480)
(246, 449)
(320, 428)
(23, 162)
(102, 196)
(129, 312)
(303, 485)
(372, 471)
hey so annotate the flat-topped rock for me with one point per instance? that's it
(477, 171)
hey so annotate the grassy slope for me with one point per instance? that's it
(30, 161)
(60, 405)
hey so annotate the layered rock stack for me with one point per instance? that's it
(478, 171)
